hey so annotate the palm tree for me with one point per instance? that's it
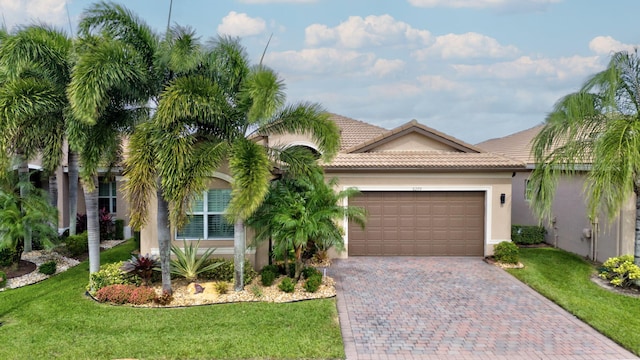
(598, 125)
(33, 104)
(108, 93)
(210, 115)
(302, 210)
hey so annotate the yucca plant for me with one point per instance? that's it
(187, 264)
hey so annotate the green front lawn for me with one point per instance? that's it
(54, 319)
(565, 278)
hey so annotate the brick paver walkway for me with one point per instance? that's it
(454, 308)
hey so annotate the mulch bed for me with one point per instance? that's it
(24, 267)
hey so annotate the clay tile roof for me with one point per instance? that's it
(516, 146)
(424, 160)
(354, 132)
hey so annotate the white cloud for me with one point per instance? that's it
(469, 45)
(605, 45)
(241, 24)
(440, 83)
(17, 12)
(321, 61)
(479, 4)
(526, 67)
(358, 32)
(384, 67)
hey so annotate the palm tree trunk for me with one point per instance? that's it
(164, 242)
(73, 191)
(23, 177)
(239, 248)
(53, 193)
(93, 226)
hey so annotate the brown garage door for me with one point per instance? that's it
(438, 223)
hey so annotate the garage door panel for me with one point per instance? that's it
(420, 223)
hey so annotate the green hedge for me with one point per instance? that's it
(527, 234)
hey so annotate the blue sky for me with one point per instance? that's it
(474, 69)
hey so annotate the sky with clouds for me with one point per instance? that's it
(474, 69)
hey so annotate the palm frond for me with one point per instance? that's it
(250, 167)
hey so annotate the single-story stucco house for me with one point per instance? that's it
(426, 193)
(570, 228)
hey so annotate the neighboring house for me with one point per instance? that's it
(426, 193)
(570, 228)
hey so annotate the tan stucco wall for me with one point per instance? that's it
(569, 215)
(413, 142)
(497, 216)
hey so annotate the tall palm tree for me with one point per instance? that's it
(33, 104)
(598, 125)
(302, 210)
(109, 94)
(208, 116)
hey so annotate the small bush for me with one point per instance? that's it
(506, 252)
(225, 271)
(117, 294)
(77, 245)
(48, 268)
(110, 274)
(287, 285)
(7, 257)
(222, 287)
(165, 299)
(142, 295)
(256, 291)
(620, 271)
(527, 235)
(313, 283)
(3, 279)
(119, 234)
(267, 278)
(309, 271)
(273, 268)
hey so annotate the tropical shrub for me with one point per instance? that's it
(110, 274)
(267, 277)
(527, 235)
(222, 287)
(225, 271)
(3, 279)
(620, 271)
(107, 227)
(81, 223)
(287, 285)
(143, 266)
(123, 294)
(309, 271)
(48, 268)
(313, 283)
(506, 252)
(8, 257)
(77, 245)
(119, 229)
(187, 264)
(142, 295)
(272, 267)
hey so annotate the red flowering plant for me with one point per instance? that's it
(143, 266)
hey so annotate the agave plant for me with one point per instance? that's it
(187, 264)
(143, 266)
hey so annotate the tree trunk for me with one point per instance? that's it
(239, 248)
(93, 226)
(73, 191)
(636, 254)
(23, 177)
(164, 242)
(53, 194)
(298, 270)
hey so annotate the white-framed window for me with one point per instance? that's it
(206, 218)
(107, 195)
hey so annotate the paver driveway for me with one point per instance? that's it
(454, 308)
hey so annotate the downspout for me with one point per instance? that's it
(594, 238)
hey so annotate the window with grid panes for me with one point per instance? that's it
(107, 195)
(206, 218)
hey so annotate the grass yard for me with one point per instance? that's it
(565, 278)
(54, 319)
